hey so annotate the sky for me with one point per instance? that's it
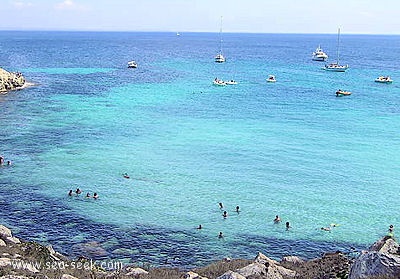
(254, 16)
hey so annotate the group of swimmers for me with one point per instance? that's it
(237, 210)
(225, 213)
(2, 161)
(78, 192)
(277, 220)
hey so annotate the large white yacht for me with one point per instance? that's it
(319, 54)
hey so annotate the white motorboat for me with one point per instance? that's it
(271, 78)
(219, 82)
(319, 54)
(132, 64)
(384, 79)
(341, 93)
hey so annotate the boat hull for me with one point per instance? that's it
(231, 82)
(322, 59)
(342, 93)
(132, 64)
(219, 58)
(335, 68)
(383, 80)
(219, 83)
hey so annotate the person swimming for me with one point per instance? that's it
(88, 195)
(237, 209)
(199, 227)
(328, 229)
(220, 235)
(288, 226)
(78, 191)
(221, 205)
(95, 196)
(225, 214)
(70, 193)
(277, 219)
(126, 175)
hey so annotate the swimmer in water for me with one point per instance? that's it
(237, 209)
(277, 219)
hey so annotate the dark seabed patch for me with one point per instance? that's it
(36, 218)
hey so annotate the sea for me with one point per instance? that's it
(290, 148)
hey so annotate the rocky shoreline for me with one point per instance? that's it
(23, 259)
(10, 81)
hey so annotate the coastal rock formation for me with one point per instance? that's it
(263, 267)
(231, 275)
(6, 236)
(10, 81)
(21, 259)
(192, 275)
(14, 277)
(67, 276)
(294, 260)
(382, 259)
(136, 271)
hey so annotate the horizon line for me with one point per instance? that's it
(181, 32)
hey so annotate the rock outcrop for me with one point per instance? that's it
(262, 267)
(7, 237)
(10, 81)
(382, 259)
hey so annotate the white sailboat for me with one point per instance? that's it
(336, 67)
(219, 58)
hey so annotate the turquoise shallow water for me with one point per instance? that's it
(291, 148)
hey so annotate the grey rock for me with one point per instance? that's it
(231, 275)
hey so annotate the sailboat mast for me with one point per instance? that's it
(220, 37)
(338, 43)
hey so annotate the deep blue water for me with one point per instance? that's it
(291, 148)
